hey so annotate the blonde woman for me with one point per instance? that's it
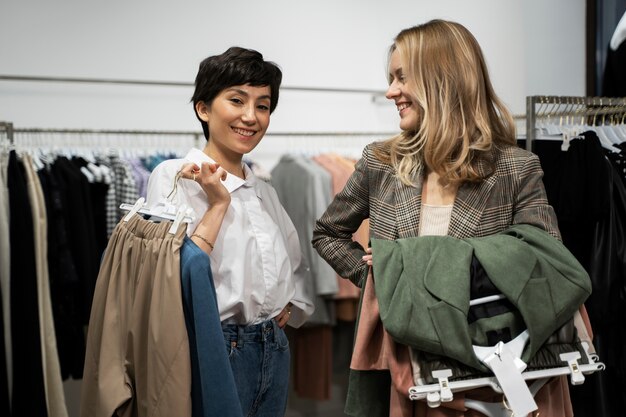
(454, 170)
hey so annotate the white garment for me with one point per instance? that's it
(256, 263)
(619, 35)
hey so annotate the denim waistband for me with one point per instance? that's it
(252, 333)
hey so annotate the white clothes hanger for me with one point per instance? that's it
(508, 379)
(88, 174)
(611, 133)
(164, 210)
(437, 392)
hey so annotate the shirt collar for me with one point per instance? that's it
(232, 182)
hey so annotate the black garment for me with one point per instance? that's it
(614, 80)
(28, 395)
(64, 281)
(576, 183)
(590, 202)
(97, 193)
(618, 160)
(81, 235)
(602, 393)
(4, 377)
(481, 286)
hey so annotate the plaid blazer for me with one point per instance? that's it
(513, 194)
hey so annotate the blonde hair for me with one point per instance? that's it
(459, 115)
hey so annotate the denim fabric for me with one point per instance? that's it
(213, 391)
(259, 357)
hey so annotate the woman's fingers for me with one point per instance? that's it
(215, 171)
(208, 172)
(368, 258)
(283, 317)
(190, 171)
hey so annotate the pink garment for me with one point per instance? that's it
(340, 170)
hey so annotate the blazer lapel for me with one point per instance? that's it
(408, 201)
(469, 205)
(467, 211)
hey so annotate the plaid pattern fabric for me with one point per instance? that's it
(513, 194)
(122, 189)
(111, 208)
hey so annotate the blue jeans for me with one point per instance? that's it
(259, 357)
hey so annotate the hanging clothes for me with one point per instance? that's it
(137, 361)
(28, 397)
(348, 294)
(590, 203)
(5, 277)
(304, 190)
(55, 396)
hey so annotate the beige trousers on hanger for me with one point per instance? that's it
(137, 361)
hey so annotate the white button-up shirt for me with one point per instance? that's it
(256, 263)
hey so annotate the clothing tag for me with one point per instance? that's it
(503, 364)
(576, 376)
(445, 392)
(565, 143)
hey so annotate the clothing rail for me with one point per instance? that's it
(8, 128)
(176, 84)
(568, 106)
(187, 133)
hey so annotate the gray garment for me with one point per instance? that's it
(305, 190)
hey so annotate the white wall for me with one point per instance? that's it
(532, 47)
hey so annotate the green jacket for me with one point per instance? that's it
(423, 288)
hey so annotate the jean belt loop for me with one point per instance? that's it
(240, 333)
(275, 329)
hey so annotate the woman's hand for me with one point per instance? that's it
(368, 258)
(283, 317)
(209, 176)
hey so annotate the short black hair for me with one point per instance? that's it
(236, 66)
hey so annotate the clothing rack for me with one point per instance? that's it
(186, 133)
(176, 84)
(289, 141)
(8, 129)
(33, 138)
(566, 109)
(266, 154)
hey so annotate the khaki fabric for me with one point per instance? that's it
(53, 383)
(5, 266)
(137, 361)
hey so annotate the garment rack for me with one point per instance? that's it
(176, 84)
(8, 128)
(560, 107)
(266, 153)
(187, 133)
